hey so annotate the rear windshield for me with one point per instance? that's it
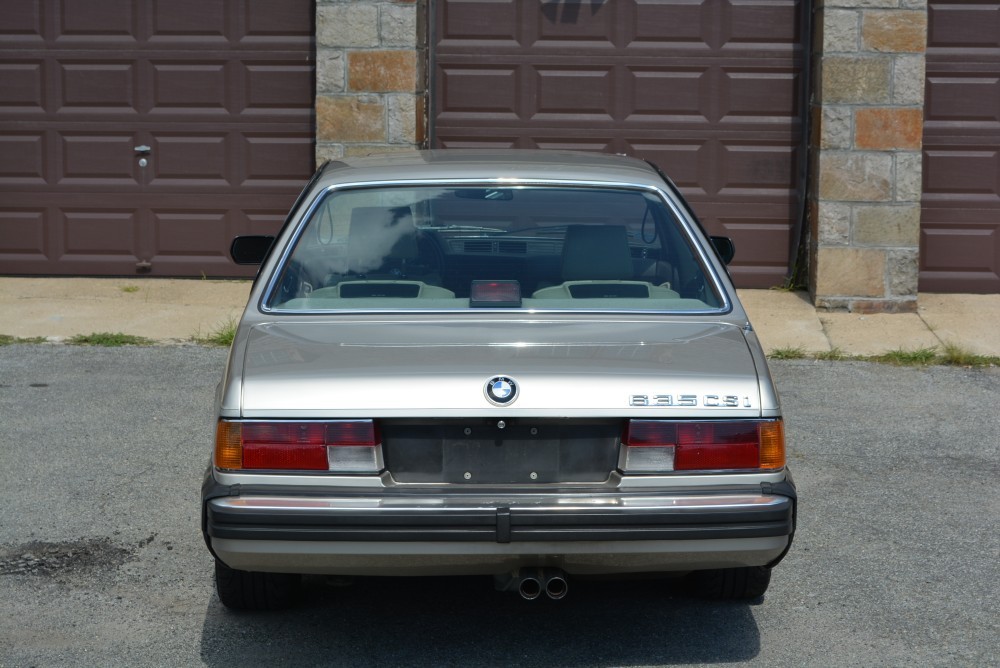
(534, 248)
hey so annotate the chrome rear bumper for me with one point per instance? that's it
(429, 534)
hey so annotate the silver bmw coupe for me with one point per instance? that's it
(525, 364)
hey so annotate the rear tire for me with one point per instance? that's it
(732, 584)
(251, 590)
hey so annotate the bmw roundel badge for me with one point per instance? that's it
(501, 390)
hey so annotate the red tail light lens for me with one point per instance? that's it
(298, 446)
(663, 445)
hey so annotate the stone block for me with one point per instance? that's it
(330, 74)
(833, 223)
(402, 115)
(835, 127)
(909, 172)
(398, 25)
(895, 31)
(854, 272)
(349, 119)
(382, 71)
(908, 77)
(328, 151)
(888, 128)
(347, 25)
(887, 225)
(858, 4)
(856, 80)
(855, 176)
(362, 150)
(840, 30)
(904, 272)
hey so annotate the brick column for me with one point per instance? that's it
(867, 119)
(370, 80)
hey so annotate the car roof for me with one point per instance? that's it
(528, 165)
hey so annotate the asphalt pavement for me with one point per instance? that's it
(177, 310)
(895, 561)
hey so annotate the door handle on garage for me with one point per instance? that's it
(143, 149)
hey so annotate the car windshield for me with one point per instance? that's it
(463, 247)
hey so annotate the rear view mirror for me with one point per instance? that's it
(250, 249)
(724, 248)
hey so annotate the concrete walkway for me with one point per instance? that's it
(175, 310)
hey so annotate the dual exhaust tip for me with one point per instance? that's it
(531, 583)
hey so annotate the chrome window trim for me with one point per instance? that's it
(678, 211)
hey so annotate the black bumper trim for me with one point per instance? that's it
(500, 524)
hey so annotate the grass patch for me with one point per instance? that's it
(221, 336)
(109, 340)
(8, 340)
(900, 357)
(129, 289)
(954, 355)
(833, 355)
(787, 354)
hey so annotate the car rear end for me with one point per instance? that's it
(502, 408)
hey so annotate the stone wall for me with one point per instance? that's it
(370, 76)
(867, 119)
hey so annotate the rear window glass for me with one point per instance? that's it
(534, 248)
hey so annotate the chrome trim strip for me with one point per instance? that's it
(454, 504)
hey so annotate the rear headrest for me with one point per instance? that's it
(596, 252)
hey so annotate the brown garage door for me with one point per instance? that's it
(142, 136)
(710, 91)
(960, 223)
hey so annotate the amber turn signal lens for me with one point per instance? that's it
(772, 444)
(229, 445)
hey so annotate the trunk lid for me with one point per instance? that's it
(438, 369)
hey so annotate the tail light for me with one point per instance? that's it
(657, 446)
(341, 446)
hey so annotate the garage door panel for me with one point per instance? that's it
(964, 26)
(102, 160)
(665, 94)
(197, 161)
(576, 24)
(965, 171)
(104, 87)
(23, 87)
(468, 93)
(573, 94)
(24, 231)
(22, 159)
(100, 231)
(189, 87)
(199, 233)
(289, 22)
(710, 91)
(757, 169)
(115, 20)
(960, 219)
(277, 87)
(192, 19)
(22, 22)
(477, 21)
(220, 90)
(671, 25)
(762, 94)
(761, 23)
(275, 161)
(963, 96)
